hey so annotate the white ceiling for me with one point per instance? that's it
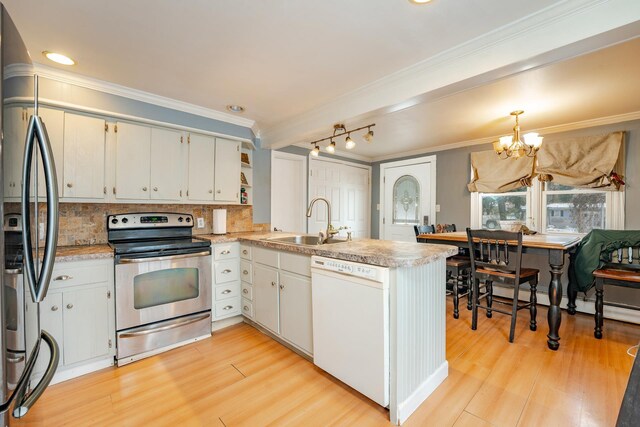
(300, 66)
(278, 58)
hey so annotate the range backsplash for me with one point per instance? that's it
(85, 223)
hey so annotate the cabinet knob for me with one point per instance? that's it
(244, 251)
(273, 283)
(245, 291)
(225, 252)
(210, 191)
(54, 308)
(69, 306)
(219, 191)
(229, 307)
(281, 286)
(245, 272)
(226, 291)
(144, 188)
(69, 184)
(226, 271)
(246, 308)
(155, 188)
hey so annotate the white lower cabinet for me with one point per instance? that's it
(79, 312)
(226, 281)
(280, 296)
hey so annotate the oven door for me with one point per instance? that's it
(159, 288)
(14, 309)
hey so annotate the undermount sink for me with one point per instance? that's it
(306, 240)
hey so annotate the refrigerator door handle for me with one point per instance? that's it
(39, 283)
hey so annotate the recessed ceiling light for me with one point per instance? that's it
(59, 58)
(235, 108)
(419, 1)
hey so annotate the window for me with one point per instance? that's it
(406, 201)
(549, 208)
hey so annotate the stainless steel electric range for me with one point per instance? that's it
(162, 283)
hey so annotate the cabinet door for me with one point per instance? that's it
(227, 170)
(166, 164)
(133, 161)
(265, 299)
(86, 324)
(54, 123)
(201, 155)
(84, 154)
(50, 321)
(15, 130)
(296, 322)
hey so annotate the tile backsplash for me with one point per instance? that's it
(85, 223)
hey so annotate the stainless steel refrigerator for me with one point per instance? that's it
(37, 261)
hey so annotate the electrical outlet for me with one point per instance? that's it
(41, 230)
(200, 223)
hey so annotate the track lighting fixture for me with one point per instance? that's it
(339, 130)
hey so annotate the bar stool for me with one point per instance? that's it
(490, 262)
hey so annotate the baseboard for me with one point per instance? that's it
(406, 408)
(587, 307)
(70, 373)
(225, 323)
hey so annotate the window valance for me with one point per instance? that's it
(584, 162)
(494, 175)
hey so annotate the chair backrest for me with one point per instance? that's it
(621, 257)
(446, 228)
(424, 229)
(493, 250)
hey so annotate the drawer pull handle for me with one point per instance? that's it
(69, 306)
(225, 252)
(226, 291)
(229, 307)
(54, 308)
(226, 271)
(245, 291)
(244, 251)
(245, 272)
(63, 277)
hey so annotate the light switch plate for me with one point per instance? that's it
(378, 207)
(437, 208)
(200, 223)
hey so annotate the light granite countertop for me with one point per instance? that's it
(367, 251)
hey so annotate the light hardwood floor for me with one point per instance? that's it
(242, 377)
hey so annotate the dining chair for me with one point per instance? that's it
(458, 273)
(496, 256)
(423, 229)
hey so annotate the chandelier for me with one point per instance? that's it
(514, 146)
(338, 131)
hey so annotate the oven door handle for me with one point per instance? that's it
(162, 258)
(175, 324)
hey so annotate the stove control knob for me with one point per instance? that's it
(180, 219)
(125, 220)
(114, 220)
(188, 219)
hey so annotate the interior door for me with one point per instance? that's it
(288, 192)
(406, 200)
(201, 160)
(133, 161)
(227, 170)
(166, 164)
(84, 153)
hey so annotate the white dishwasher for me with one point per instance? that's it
(351, 324)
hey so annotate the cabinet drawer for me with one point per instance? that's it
(226, 251)
(296, 263)
(78, 275)
(228, 307)
(247, 308)
(246, 271)
(245, 252)
(226, 271)
(227, 290)
(247, 291)
(266, 256)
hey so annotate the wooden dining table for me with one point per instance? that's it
(554, 246)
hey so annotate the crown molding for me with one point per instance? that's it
(557, 26)
(51, 73)
(549, 130)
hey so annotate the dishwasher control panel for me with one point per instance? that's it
(371, 272)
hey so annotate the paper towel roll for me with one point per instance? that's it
(219, 221)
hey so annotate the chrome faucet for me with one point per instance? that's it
(330, 230)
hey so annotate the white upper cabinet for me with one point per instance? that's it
(201, 161)
(166, 164)
(54, 123)
(84, 157)
(227, 171)
(15, 129)
(133, 161)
